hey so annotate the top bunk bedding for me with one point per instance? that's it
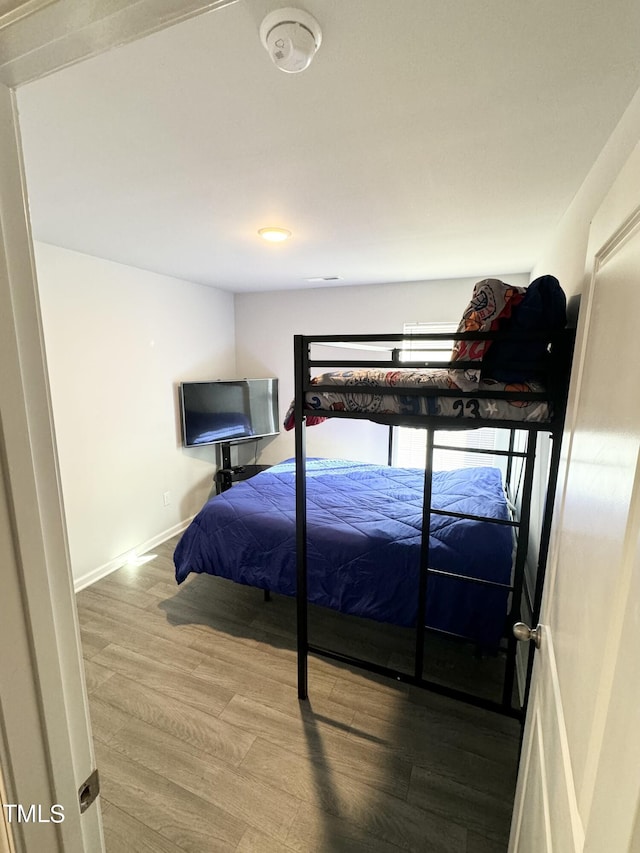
(387, 395)
(502, 368)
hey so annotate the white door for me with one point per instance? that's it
(579, 781)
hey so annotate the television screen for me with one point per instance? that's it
(228, 410)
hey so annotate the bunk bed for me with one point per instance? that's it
(349, 536)
(509, 369)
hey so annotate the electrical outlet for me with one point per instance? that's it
(166, 498)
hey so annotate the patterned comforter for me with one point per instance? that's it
(510, 362)
(386, 396)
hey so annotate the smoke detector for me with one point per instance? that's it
(291, 38)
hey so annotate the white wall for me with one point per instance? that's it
(565, 255)
(118, 342)
(267, 322)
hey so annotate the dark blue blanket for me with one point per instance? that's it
(364, 533)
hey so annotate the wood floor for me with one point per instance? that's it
(203, 746)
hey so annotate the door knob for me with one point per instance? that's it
(523, 632)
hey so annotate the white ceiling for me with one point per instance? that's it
(426, 140)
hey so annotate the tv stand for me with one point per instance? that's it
(225, 449)
(229, 474)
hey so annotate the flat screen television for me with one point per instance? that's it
(228, 411)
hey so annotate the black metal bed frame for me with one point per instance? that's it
(556, 380)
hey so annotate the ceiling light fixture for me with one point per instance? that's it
(274, 235)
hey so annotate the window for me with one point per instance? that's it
(409, 444)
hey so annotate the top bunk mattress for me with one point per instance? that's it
(386, 396)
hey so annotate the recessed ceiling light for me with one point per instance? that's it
(274, 235)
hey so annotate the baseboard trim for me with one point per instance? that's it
(95, 575)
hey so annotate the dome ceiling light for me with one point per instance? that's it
(274, 235)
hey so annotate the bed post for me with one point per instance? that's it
(301, 370)
(521, 556)
(545, 538)
(424, 556)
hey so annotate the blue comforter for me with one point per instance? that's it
(364, 534)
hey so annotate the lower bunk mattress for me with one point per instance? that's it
(364, 529)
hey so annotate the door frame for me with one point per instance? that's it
(46, 748)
